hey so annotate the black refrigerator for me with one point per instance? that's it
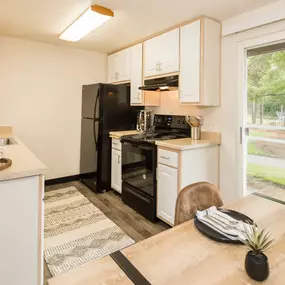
(105, 108)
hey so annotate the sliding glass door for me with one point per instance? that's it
(264, 130)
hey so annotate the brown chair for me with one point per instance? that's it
(197, 196)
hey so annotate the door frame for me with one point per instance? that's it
(241, 149)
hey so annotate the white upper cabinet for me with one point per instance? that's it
(112, 68)
(161, 54)
(119, 66)
(136, 74)
(200, 63)
(190, 53)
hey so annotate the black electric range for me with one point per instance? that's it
(139, 162)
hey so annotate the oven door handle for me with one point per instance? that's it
(142, 146)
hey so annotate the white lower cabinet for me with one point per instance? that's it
(21, 219)
(167, 192)
(194, 165)
(116, 170)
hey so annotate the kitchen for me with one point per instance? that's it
(191, 83)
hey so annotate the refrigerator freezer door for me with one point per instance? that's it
(115, 108)
(90, 94)
(88, 152)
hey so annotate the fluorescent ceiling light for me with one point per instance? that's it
(90, 20)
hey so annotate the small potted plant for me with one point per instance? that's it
(256, 262)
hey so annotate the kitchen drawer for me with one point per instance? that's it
(116, 144)
(169, 158)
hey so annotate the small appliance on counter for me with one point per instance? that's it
(145, 121)
(139, 162)
(196, 124)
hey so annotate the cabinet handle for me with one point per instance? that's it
(181, 93)
(164, 157)
(157, 66)
(119, 160)
(160, 69)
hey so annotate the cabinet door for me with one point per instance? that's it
(190, 55)
(167, 193)
(119, 66)
(169, 52)
(116, 171)
(162, 54)
(111, 68)
(136, 74)
(25, 218)
(124, 65)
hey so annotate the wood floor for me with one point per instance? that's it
(110, 203)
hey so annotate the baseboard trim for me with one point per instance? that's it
(60, 180)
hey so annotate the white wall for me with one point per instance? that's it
(267, 14)
(40, 95)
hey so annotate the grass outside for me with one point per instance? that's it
(263, 148)
(274, 134)
(253, 149)
(267, 173)
(258, 133)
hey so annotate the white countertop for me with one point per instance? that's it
(24, 162)
(187, 143)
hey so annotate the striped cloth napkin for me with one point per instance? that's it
(223, 223)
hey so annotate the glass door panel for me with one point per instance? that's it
(265, 122)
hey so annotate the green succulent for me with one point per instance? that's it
(257, 240)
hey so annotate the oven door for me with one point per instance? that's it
(139, 166)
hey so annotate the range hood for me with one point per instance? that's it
(161, 84)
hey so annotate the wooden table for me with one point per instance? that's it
(182, 255)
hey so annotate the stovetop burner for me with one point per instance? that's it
(166, 127)
(144, 136)
(153, 137)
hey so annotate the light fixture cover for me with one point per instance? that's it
(90, 20)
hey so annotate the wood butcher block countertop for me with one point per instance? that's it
(24, 162)
(119, 134)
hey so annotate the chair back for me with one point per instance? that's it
(197, 196)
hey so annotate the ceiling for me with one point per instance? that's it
(44, 20)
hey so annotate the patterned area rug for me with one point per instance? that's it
(77, 232)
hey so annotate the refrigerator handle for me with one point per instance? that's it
(94, 129)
